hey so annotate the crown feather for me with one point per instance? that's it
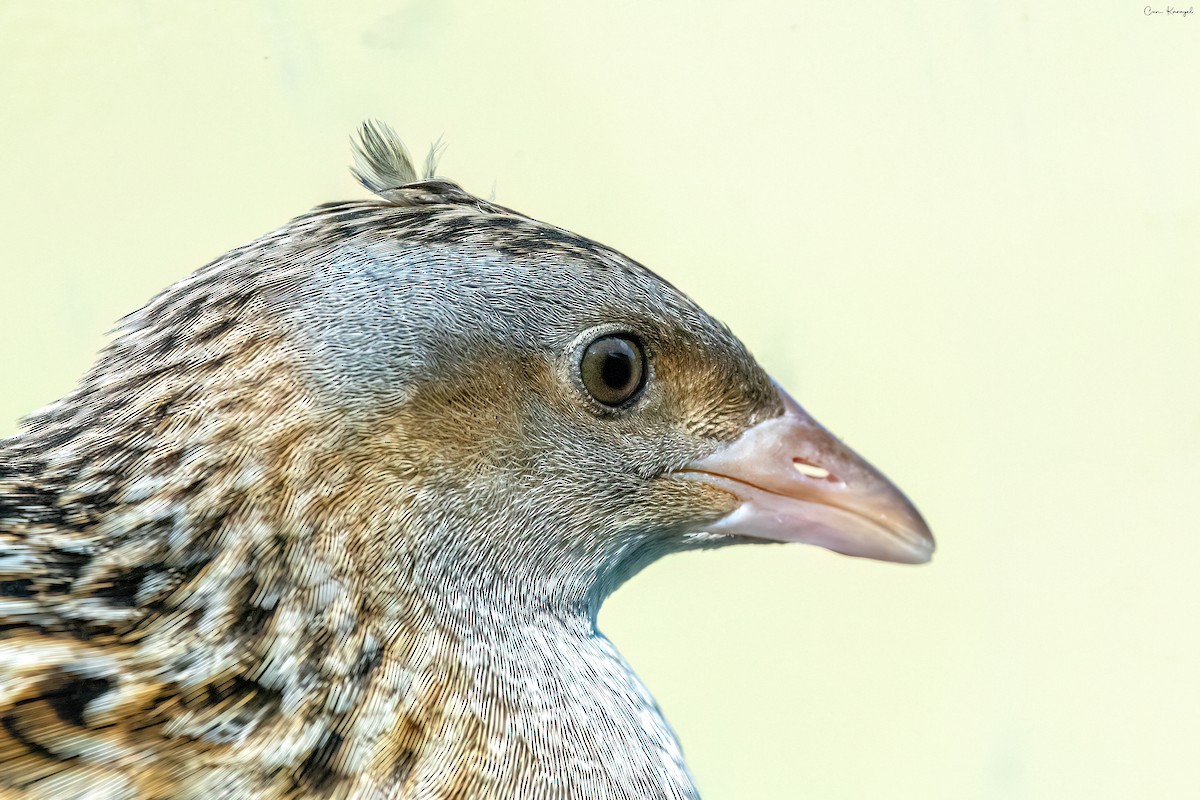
(382, 162)
(383, 166)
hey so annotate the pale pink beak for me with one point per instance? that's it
(799, 483)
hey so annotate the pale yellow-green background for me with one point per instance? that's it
(966, 235)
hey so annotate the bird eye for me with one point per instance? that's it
(613, 369)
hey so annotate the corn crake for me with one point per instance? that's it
(333, 516)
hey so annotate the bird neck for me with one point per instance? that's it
(471, 661)
(456, 659)
(527, 700)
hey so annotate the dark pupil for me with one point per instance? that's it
(617, 370)
(612, 369)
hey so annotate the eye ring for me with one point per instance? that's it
(613, 369)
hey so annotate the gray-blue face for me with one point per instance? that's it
(464, 334)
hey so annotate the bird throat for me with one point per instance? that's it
(526, 703)
(475, 688)
(493, 681)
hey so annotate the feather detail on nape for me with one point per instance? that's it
(382, 162)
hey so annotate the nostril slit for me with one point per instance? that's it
(811, 470)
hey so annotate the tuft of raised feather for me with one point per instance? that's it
(382, 161)
(384, 167)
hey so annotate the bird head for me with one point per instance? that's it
(549, 401)
(442, 388)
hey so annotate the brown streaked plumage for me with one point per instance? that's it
(334, 515)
